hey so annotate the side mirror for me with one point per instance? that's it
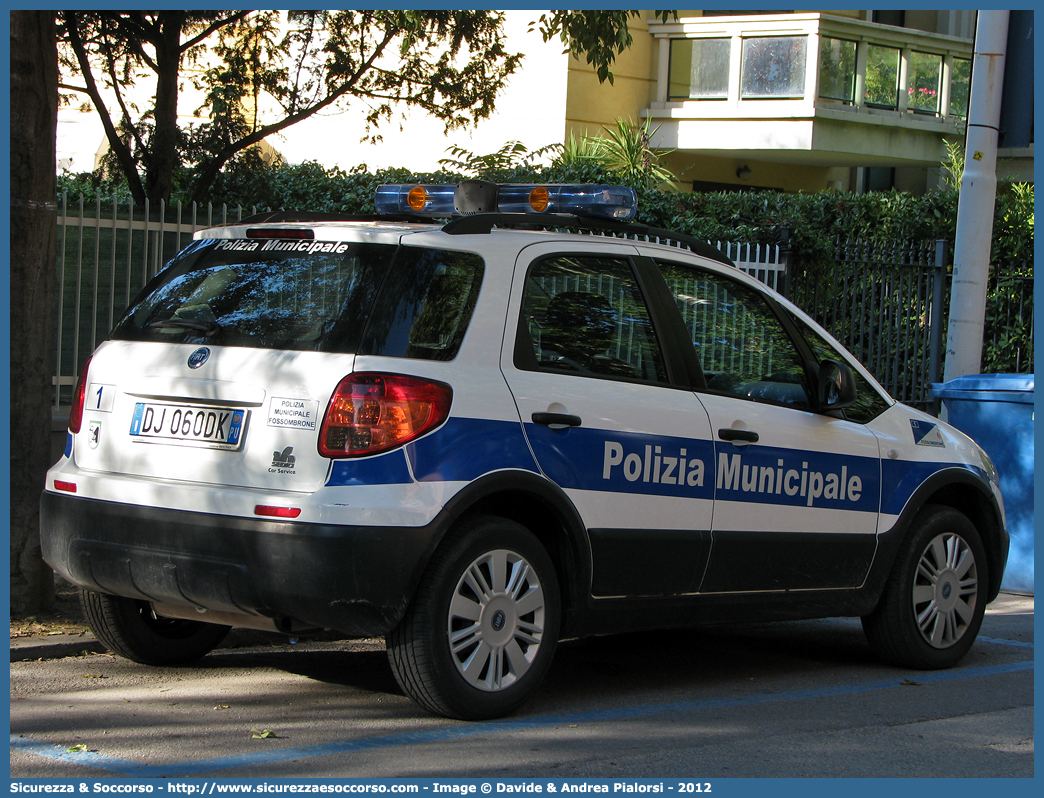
(837, 388)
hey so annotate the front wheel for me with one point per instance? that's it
(483, 625)
(934, 601)
(132, 629)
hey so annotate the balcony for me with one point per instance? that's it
(809, 88)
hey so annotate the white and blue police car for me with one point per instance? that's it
(476, 437)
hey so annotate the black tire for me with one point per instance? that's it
(130, 628)
(508, 638)
(934, 600)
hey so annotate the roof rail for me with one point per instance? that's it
(277, 217)
(483, 223)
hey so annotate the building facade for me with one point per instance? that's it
(795, 101)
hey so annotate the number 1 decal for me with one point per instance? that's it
(103, 396)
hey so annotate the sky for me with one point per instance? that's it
(532, 110)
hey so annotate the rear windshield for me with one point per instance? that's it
(334, 297)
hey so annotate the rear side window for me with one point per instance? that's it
(425, 305)
(341, 297)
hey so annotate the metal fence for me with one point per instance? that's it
(764, 262)
(106, 253)
(884, 301)
(108, 250)
(887, 303)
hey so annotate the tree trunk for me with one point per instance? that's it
(163, 155)
(34, 113)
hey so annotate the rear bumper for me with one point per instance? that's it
(355, 579)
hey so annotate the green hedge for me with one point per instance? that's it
(813, 224)
(814, 221)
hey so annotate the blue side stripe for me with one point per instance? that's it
(382, 469)
(464, 449)
(627, 462)
(901, 478)
(461, 450)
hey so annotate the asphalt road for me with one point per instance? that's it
(802, 699)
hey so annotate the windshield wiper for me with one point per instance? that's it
(208, 328)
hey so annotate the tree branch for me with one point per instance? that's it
(119, 149)
(213, 166)
(110, 63)
(214, 26)
(140, 30)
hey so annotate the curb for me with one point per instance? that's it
(25, 649)
(54, 647)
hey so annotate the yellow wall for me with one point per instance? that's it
(590, 104)
(785, 177)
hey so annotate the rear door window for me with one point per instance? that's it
(586, 315)
(425, 305)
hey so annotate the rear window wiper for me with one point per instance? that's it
(208, 328)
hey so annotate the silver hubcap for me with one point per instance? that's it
(496, 620)
(945, 590)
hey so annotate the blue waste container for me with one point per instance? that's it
(996, 410)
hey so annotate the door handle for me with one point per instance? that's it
(734, 435)
(557, 419)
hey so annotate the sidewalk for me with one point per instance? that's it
(53, 646)
(63, 645)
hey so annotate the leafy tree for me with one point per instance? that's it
(263, 71)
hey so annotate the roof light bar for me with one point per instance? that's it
(470, 197)
(605, 202)
(430, 200)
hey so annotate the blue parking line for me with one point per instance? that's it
(89, 758)
(999, 642)
(182, 769)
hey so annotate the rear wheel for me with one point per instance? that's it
(933, 604)
(483, 625)
(130, 628)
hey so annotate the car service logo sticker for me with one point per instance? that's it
(926, 434)
(198, 358)
(94, 434)
(293, 413)
(283, 462)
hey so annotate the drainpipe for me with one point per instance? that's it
(971, 257)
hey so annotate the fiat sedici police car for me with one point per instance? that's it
(479, 436)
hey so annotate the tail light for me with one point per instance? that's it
(78, 398)
(371, 413)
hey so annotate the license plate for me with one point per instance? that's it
(181, 425)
